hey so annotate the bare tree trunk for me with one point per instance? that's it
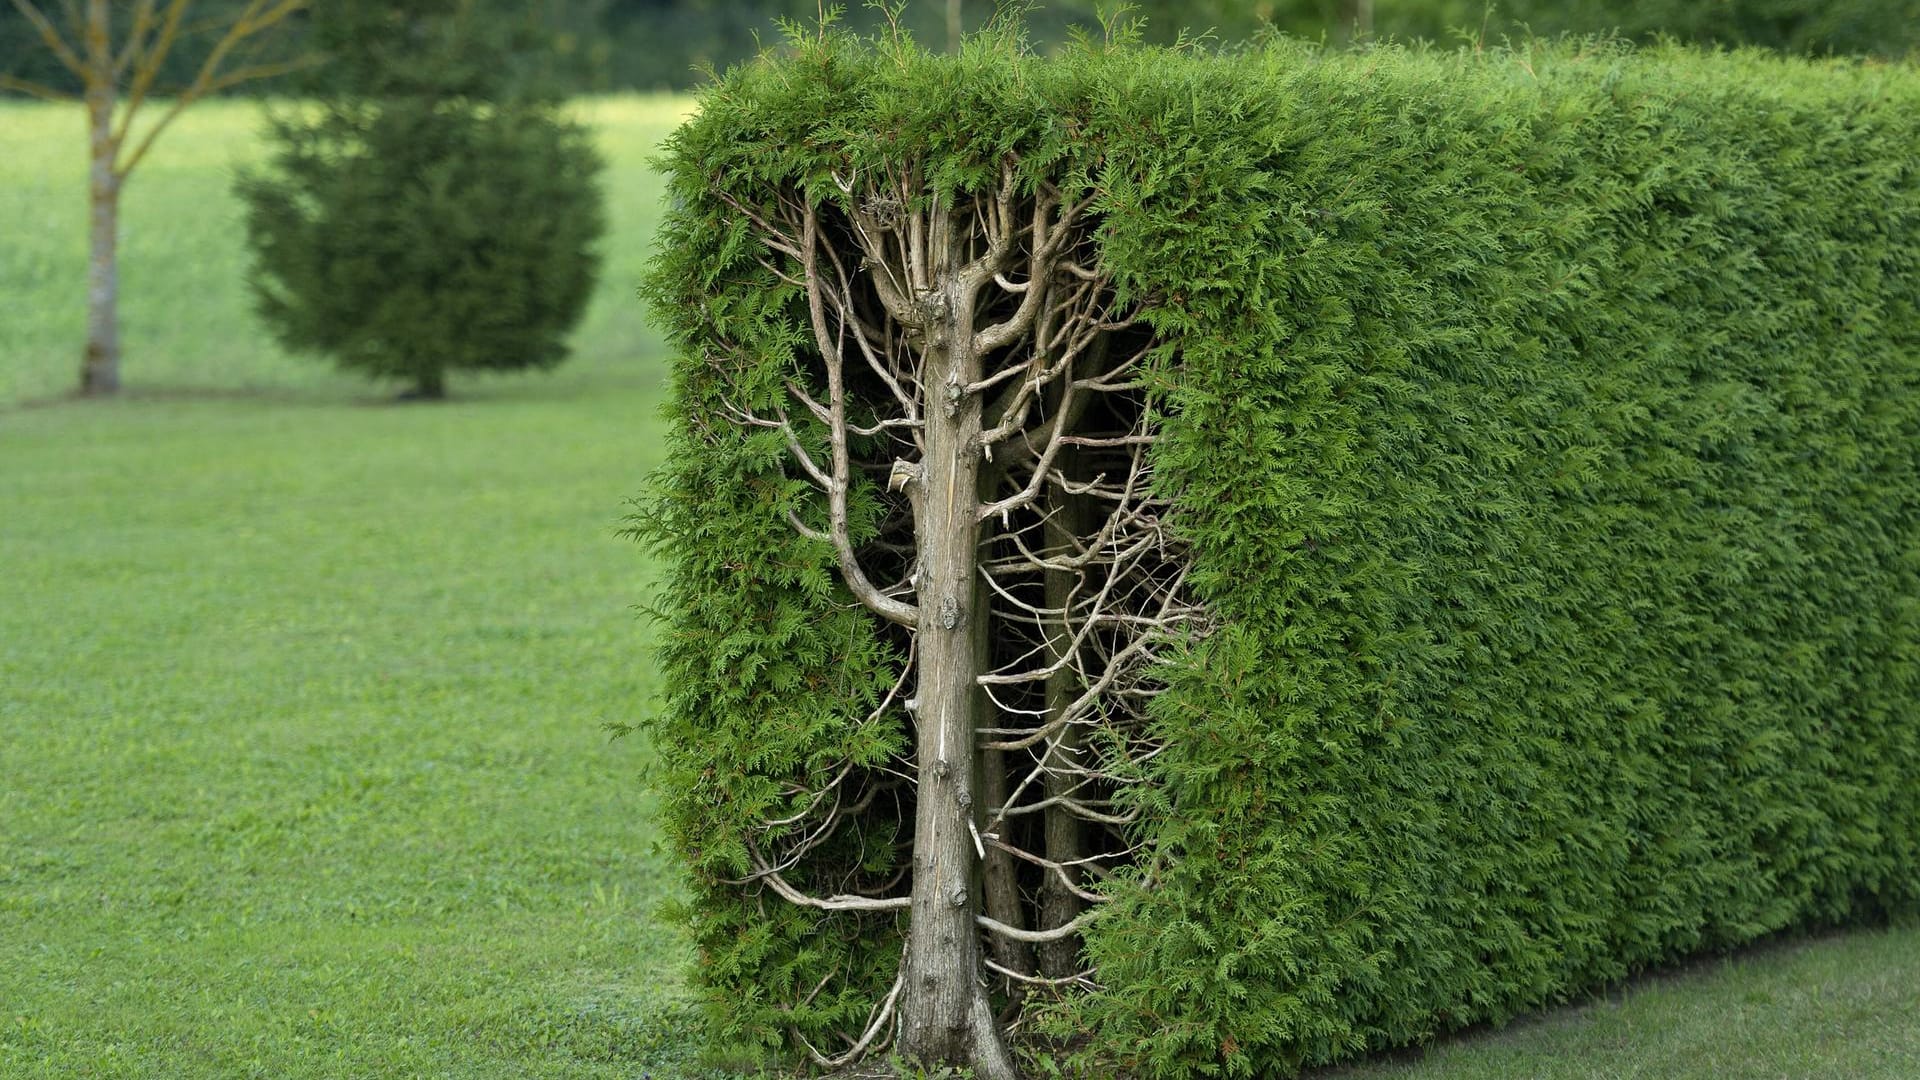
(100, 369)
(1000, 890)
(1357, 23)
(1002, 887)
(984, 656)
(82, 42)
(1058, 903)
(944, 1012)
(954, 27)
(430, 385)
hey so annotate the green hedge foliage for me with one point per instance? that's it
(1546, 425)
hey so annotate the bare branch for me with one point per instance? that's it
(918, 276)
(799, 452)
(1003, 334)
(1114, 667)
(863, 336)
(68, 56)
(1000, 234)
(876, 1023)
(146, 55)
(771, 236)
(817, 796)
(34, 89)
(256, 72)
(1042, 469)
(906, 669)
(1084, 978)
(772, 878)
(805, 529)
(832, 356)
(1067, 930)
(1059, 870)
(1076, 808)
(819, 411)
(136, 36)
(260, 15)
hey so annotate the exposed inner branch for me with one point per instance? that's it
(975, 405)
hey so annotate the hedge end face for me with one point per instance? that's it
(969, 434)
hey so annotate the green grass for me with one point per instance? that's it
(1842, 1006)
(302, 770)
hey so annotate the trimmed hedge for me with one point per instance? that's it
(1546, 428)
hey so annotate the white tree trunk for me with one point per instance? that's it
(100, 368)
(1359, 20)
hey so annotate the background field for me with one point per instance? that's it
(301, 693)
(302, 769)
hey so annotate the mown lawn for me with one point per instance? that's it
(302, 694)
(302, 765)
(1832, 1006)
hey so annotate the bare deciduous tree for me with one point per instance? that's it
(974, 371)
(116, 52)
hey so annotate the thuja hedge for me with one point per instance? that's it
(1545, 425)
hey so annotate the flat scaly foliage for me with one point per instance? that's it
(1545, 428)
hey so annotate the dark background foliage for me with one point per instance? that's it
(646, 43)
(1547, 425)
(652, 44)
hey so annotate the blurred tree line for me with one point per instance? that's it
(615, 44)
(658, 44)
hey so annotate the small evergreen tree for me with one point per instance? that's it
(435, 212)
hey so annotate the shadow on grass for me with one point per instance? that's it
(505, 390)
(1574, 1011)
(164, 394)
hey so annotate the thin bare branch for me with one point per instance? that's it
(817, 796)
(771, 236)
(1000, 335)
(256, 72)
(799, 452)
(34, 89)
(1059, 870)
(50, 35)
(805, 529)
(259, 16)
(1058, 933)
(136, 36)
(765, 873)
(146, 55)
(863, 336)
(832, 355)
(876, 1024)
(1084, 978)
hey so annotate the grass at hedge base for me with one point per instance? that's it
(1547, 424)
(1839, 1006)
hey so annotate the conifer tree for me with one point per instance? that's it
(435, 213)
